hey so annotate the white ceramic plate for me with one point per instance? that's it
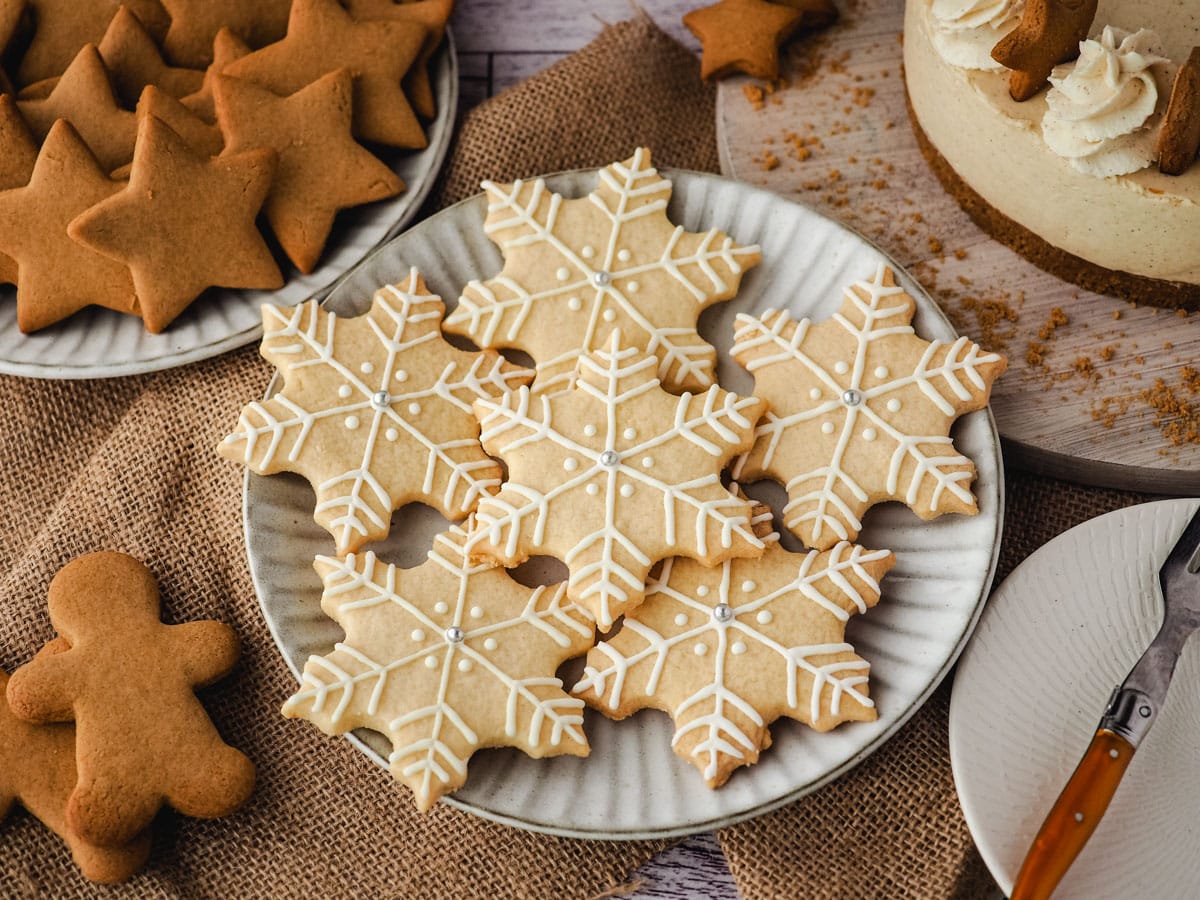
(99, 343)
(632, 785)
(1059, 634)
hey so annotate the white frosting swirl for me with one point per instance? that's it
(965, 31)
(1100, 107)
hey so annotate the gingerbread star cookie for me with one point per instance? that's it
(195, 23)
(1179, 137)
(726, 651)
(321, 38)
(1049, 33)
(433, 15)
(37, 771)
(18, 153)
(321, 170)
(577, 270)
(135, 61)
(56, 275)
(127, 681)
(445, 659)
(227, 47)
(62, 27)
(375, 412)
(860, 411)
(84, 96)
(184, 223)
(204, 139)
(614, 475)
(742, 36)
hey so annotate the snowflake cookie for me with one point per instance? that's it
(613, 475)
(576, 270)
(861, 410)
(375, 412)
(445, 659)
(726, 651)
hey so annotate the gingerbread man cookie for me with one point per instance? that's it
(128, 682)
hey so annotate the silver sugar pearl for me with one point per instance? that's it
(381, 399)
(852, 397)
(722, 612)
(601, 279)
(455, 635)
(609, 458)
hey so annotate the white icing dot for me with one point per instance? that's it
(608, 315)
(680, 619)
(563, 273)
(629, 434)
(633, 287)
(351, 422)
(893, 405)
(627, 490)
(464, 665)
(588, 251)
(401, 375)
(440, 607)
(431, 662)
(869, 434)
(366, 368)
(623, 255)
(574, 304)
(701, 649)
(764, 617)
(391, 434)
(881, 372)
(748, 586)
(592, 490)
(738, 648)
(570, 464)
(827, 428)
(418, 634)
(489, 644)
(702, 591)
(414, 408)
(647, 462)
(476, 612)
(344, 391)
(589, 430)
(814, 393)
(840, 367)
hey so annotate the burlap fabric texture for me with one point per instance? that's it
(129, 465)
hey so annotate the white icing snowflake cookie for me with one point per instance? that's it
(375, 412)
(445, 659)
(575, 270)
(726, 651)
(613, 475)
(860, 411)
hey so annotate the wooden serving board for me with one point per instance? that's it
(1082, 398)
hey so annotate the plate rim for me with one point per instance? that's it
(445, 120)
(979, 834)
(926, 305)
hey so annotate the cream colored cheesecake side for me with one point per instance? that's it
(1145, 224)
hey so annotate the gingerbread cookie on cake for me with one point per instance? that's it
(1073, 157)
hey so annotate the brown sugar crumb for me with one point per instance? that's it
(994, 321)
(1191, 379)
(1108, 352)
(863, 95)
(1035, 355)
(834, 175)
(1177, 419)
(1107, 410)
(1181, 313)
(935, 246)
(960, 253)
(811, 185)
(769, 161)
(1116, 314)
(1057, 318)
(879, 184)
(755, 95)
(1083, 366)
(1167, 345)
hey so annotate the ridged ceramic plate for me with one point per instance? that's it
(100, 343)
(1059, 634)
(632, 785)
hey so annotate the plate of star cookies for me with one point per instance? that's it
(709, 530)
(168, 169)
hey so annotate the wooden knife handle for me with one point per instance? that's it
(1074, 816)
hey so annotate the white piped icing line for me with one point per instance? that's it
(375, 678)
(611, 518)
(937, 381)
(1101, 108)
(681, 271)
(359, 486)
(781, 631)
(965, 31)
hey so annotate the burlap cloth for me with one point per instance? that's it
(129, 464)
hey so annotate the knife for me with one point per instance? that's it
(1132, 709)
